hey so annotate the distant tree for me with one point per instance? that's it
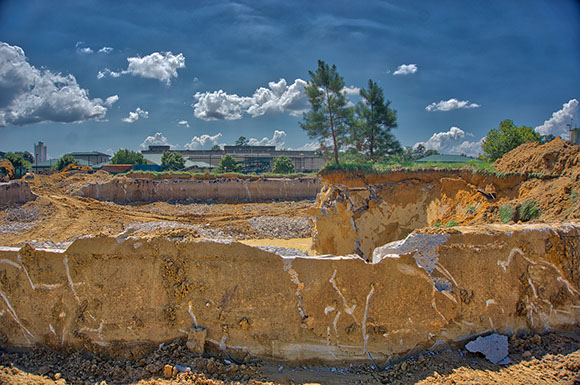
(508, 136)
(216, 147)
(283, 165)
(124, 156)
(228, 164)
(64, 161)
(242, 141)
(371, 131)
(172, 158)
(27, 156)
(329, 116)
(430, 152)
(547, 138)
(18, 161)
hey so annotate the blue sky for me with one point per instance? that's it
(104, 75)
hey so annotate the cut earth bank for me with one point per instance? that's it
(125, 297)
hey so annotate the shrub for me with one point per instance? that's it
(125, 156)
(452, 223)
(283, 165)
(506, 212)
(64, 161)
(529, 210)
(228, 164)
(437, 224)
(171, 158)
(471, 210)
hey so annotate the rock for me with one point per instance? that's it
(57, 376)
(527, 354)
(168, 371)
(196, 340)
(494, 347)
(44, 370)
(404, 366)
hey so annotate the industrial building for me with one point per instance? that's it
(259, 157)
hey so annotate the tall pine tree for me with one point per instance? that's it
(371, 131)
(329, 116)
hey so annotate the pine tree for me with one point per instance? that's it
(371, 131)
(329, 116)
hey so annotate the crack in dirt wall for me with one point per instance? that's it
(123, 298)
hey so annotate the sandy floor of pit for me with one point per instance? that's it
(548, 359)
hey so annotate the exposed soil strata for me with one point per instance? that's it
(125, 190)
(15, 192)
(354, 214)
(557, 157)
(124, 298)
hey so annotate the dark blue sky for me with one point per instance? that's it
(485, 60)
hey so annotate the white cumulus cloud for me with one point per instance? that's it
(29, 95)
(156, 140)
(278, 140)
(406, 69)
(556, 125)
(451, 104)
(452, 142)
(279, 97)
(161, 66)
(203, 142)
(111, 100)
(106, 50)
(183, 123)
(134, 116)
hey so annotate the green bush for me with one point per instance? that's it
(64, 161)
(437, 224)
(452, 223)
(228, 164)
(471, 210)
(283, 165)
(506, 212)
(124, 156)
(172, 158)
(529, 210)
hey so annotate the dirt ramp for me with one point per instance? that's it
(124, 298)
(127, 190)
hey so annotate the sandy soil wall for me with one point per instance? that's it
(15, 192)
(220, 189)
(354, 214)
(125, 297)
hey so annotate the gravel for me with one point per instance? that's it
(281, 227)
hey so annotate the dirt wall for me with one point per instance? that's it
(15, 192)
(128, 190)
(126, 297)
(354, 214)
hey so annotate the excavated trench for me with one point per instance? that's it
(377, 287)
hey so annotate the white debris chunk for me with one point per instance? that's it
(424, 245)
(494, 347)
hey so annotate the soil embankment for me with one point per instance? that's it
(125, 297)
(125, 190)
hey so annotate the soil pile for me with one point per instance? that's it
(557, 157)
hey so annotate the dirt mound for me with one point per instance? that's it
(557, 157)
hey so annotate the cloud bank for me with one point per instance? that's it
(134, 116)
(279, 97)
(156, 140)
(203, 142)
(452, 142)
(406, 69)
(161, 66)
(451, 104)
(278, 140)
(556, 125)
(29, 95)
